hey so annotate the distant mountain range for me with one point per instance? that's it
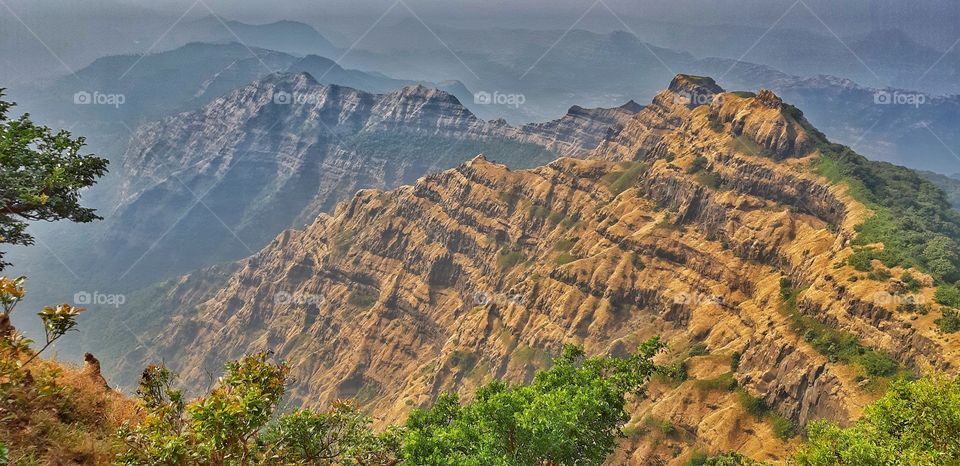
(603, 69)
(218, 183)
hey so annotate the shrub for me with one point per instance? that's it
(912, 283)
(724, 382)
(948, 295)
(880, 275)
(709, 179)
(564, 258)
(564, 244)
(861, 260)
(699, 163)
(507, 259)
(912, 217)
(735, 361)
(877, 364)
(949, 322)
(914, 423)
(699, 349)
(675, 371)
(619, 181)
(751, 404)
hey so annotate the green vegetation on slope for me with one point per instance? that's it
(916, 423)
(836, 345)
(913, 220)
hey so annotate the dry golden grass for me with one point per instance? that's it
(61, 416)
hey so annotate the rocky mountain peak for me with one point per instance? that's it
(421, 92)
(769, 99)
(631, 106)
(301, 78)
(689, 84)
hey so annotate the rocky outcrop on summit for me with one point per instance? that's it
(276, 153)
(681, 225)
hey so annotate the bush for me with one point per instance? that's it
(507, 259)
(675, 371)
(709, 179)
(235, 424)
(949, 322)
(914, 423)
(880, 275)
(861, 261)
(699, 163)
(948, 295)
(912, 283)
(726, 459)
(836, 345)
(877, 364)
(724, 382)
(783, 428)
(619, 181)
(699, 349)
(751, 404)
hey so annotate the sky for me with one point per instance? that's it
(920, 16)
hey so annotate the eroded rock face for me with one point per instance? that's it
(480, 271)
(274, 154)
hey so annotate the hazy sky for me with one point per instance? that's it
(914, 13)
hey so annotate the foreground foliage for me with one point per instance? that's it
(570, 414)
(915, 423)
(41, 175)
(51, 413)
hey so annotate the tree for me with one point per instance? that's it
(915, 423)
(570, 414)
(234, 424)
(41, 175)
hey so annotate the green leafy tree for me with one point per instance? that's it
(915, 423)
(41, 175)
(570, 414)
(235, 424)
(341, 435)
